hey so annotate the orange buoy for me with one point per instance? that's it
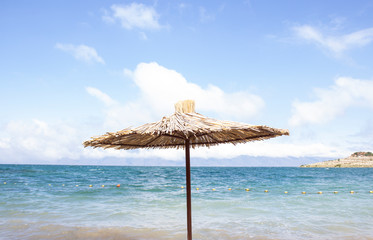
(118, 185)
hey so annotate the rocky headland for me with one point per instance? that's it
(356, 160)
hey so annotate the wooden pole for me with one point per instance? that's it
(188, 188)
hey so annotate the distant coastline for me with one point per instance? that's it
(356, 160)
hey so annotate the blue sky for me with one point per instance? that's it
(75, 69)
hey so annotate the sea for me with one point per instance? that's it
(86, 202)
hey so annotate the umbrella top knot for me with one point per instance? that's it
(186, 106)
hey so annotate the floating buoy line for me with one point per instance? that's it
(198, 189)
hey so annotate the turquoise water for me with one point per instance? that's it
(57, 202)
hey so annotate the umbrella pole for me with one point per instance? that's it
(188, 188)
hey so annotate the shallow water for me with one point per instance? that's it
(57, 202)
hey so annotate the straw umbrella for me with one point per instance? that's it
(184, 129)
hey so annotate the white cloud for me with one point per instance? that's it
(40, 142)
(332, 102)
(101, 96)
(81, 52)
(36, 139)
(4, 143)
(135, 15)
(335, 43)
(160, 88)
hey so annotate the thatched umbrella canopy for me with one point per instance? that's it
(184, 129)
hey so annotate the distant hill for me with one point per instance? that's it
(356, 160)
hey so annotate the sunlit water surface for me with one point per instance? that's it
(57, 202)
